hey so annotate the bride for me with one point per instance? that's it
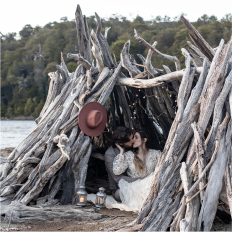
(138, 163)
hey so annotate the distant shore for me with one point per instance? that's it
(19, 118)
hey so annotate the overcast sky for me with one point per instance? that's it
(17, 13)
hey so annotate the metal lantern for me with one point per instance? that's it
(81, 196)
(100, 198)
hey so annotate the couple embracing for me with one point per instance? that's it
(130, 165)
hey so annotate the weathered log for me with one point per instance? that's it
(228, 174)
(214, 87)
(200, 144)
(9, 190)
(186, 54)
(63, 72)
(198, 60)
(58, 100)
(54, 90)
(198, 39)
(209, 205)
(79, 153)
(142, 75)
(105, 49)
(126, 62)
(212, 66)
(83, 35)
(110, 85)
(171, 155)
(196, 50)
(67, 105)
(196, 92)
(161, 80)
(217, 116)
(174, 83)
(21, 149)
(96, 51)
(85, 63)
(164, 110)
(96, 93)
(189, 223)
(165, 198)
(106, 31)
(183, 85)
(101, 79)
(148, 64)
(40, 183)
(168, 102)
(125, 107)
(157, 113)
(167, 57)
(20, 213)
(45, 177)
(142, 58)
(188, 87)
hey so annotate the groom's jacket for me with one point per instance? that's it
(110, 154)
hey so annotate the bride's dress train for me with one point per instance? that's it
(135, 193)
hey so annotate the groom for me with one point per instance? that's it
(125, 138)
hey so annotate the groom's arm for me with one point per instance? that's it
(109, 159)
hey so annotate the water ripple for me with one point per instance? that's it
(13, 132)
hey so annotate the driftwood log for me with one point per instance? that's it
(187, 114)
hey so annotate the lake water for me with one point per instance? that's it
(13, 132)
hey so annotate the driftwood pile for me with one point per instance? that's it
(189, 111)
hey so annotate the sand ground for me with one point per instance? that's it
(113, 219)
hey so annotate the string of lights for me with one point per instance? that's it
(145, 110)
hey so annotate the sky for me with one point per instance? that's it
(15, 14)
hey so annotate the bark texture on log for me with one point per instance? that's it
(19, 213)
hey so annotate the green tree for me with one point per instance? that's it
(38, 108)
(25, 62)
(19, 110)
(29, 107)
(72, 66)
(3, 110)
(51, 67)
(26, 31)
(9, 112)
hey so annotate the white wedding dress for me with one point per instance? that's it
(135, 193)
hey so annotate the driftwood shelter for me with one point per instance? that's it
(187, 113)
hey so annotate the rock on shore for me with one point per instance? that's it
(6, 152)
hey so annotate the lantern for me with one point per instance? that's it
(100, 198)
(81, 196)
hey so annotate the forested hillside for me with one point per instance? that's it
(25, 63)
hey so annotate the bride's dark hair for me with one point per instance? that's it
(139, 166)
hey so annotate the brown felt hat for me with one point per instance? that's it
(92, 119)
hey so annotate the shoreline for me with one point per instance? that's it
(5, 152)
(23, 118)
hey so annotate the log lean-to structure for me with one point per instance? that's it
(187, 113)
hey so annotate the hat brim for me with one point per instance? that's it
(87, 108)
